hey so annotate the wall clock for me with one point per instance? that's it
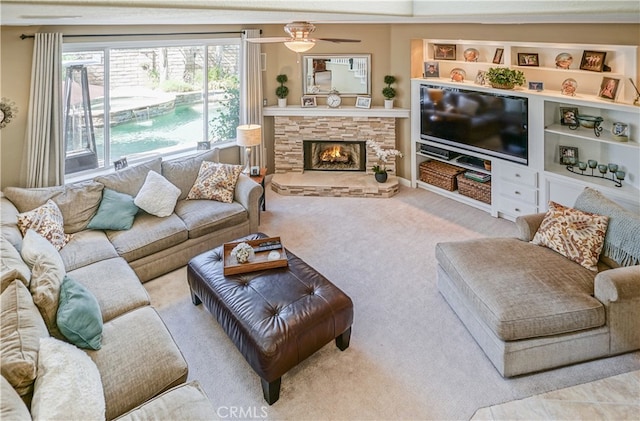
(333, 99)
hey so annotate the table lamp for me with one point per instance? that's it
(248, 135)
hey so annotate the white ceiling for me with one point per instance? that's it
(208, 12)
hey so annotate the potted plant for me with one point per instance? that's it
(282, 91)
(505, 78)
(380, 170)
(388, 92)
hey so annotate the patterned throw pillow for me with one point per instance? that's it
(47, 221)
(215, 182)
(577, 235)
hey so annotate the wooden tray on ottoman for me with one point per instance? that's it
(259, 262)
(440, 174)
(474, 189)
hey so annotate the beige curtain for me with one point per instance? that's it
(251, 89)
(44, 147)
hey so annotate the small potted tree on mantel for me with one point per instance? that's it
(282, 91)
(388, 92)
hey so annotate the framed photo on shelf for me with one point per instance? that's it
(536, 86)
(568, 155)
(444, 51)
(497, 57)
(308, 101)
(363, 102)
(431, 69)
(481, 78)
(568, 116)
(528, 59)
(609, 88)
(593, 60)
(204, 146)
(120, 164)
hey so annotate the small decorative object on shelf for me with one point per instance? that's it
(593, 60)
(569, 117)
(590, 122)
(528, 59)
(636, 100)
(497, 57)
(569, 87)
(243, 252)
(609, 88)
(458, 75)
(383, 155)
(481, 78)
(444, 51)
(333, 99)
(616, 175)
(363, 102)
(431, 69)
(282, 91)
(471, 54)
(536, 86)
(564, 60)
(388, 91)
(568, 155)
(620, 131)
(504, 78)
(308, 101)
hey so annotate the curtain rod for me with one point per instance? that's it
(24, 36)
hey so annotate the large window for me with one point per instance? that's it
(139, 99)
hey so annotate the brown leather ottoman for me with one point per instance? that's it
(276, 317)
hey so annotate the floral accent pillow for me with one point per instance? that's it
(577, 235)
(47, 221)
(215, 182)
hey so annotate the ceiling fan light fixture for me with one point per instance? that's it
(300, 46)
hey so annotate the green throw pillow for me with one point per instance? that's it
(116, 212)
(79, 317)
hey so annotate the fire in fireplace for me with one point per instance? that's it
(334, 155)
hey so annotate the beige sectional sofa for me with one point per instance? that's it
(530, 308)
(142, 371)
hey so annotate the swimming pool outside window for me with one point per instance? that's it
(161, 99)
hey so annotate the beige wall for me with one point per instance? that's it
(390, 47)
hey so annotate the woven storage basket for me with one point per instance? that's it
(474, 189)
(440, 174)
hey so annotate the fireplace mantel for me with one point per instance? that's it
(343, 111)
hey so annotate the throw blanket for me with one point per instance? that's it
(622, 241)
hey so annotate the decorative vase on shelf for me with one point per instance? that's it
(282, 102)
(388, 103)
(381, 177)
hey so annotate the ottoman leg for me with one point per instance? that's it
(194, 299)
(271, 390)
(342, 341)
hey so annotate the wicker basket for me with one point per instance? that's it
(440, 174)
(474, 189)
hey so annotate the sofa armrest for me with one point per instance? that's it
(248, 194)
(619, 291)
(527, 225)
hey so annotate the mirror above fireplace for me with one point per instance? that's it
(349, 74)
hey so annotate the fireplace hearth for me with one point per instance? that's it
(334, 155)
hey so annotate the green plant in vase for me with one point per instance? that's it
(282, 91)
(505, 78)
(388, 91)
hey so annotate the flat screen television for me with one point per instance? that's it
(484, 122)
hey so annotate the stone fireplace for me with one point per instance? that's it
(348, 127)
(334, 155)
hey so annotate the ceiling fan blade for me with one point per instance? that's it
(338, 40)
(267, 40)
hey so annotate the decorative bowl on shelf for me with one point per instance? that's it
(589, 121)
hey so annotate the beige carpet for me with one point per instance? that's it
(410, 357)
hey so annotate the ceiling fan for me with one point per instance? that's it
(298, 39)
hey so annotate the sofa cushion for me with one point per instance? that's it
(149, 234)
(47, 272)
(115, 286)
(206, 216)
(12, 407)
(534, 292)
(182, 172)
(79, 318)
(9, 222)
(136, 380)
(184, 402)
(78, 202)
(86, 247)
(116, 212)
(129, 180)
(12, 266)
(577, 235)
(68, 386)
(21, 327)
(621, 245)
(157, 195)
(47, 221)
(215, 182)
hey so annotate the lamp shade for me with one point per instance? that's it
(249, 135)
(300, 46)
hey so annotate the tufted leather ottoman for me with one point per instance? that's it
(276, 317)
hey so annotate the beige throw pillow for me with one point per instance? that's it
(215, 182)
(577, 235)
(21, 327)
(47, 221)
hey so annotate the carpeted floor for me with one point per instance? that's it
(410, 357)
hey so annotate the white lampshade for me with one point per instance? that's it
(300, 46)
(248, 135)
